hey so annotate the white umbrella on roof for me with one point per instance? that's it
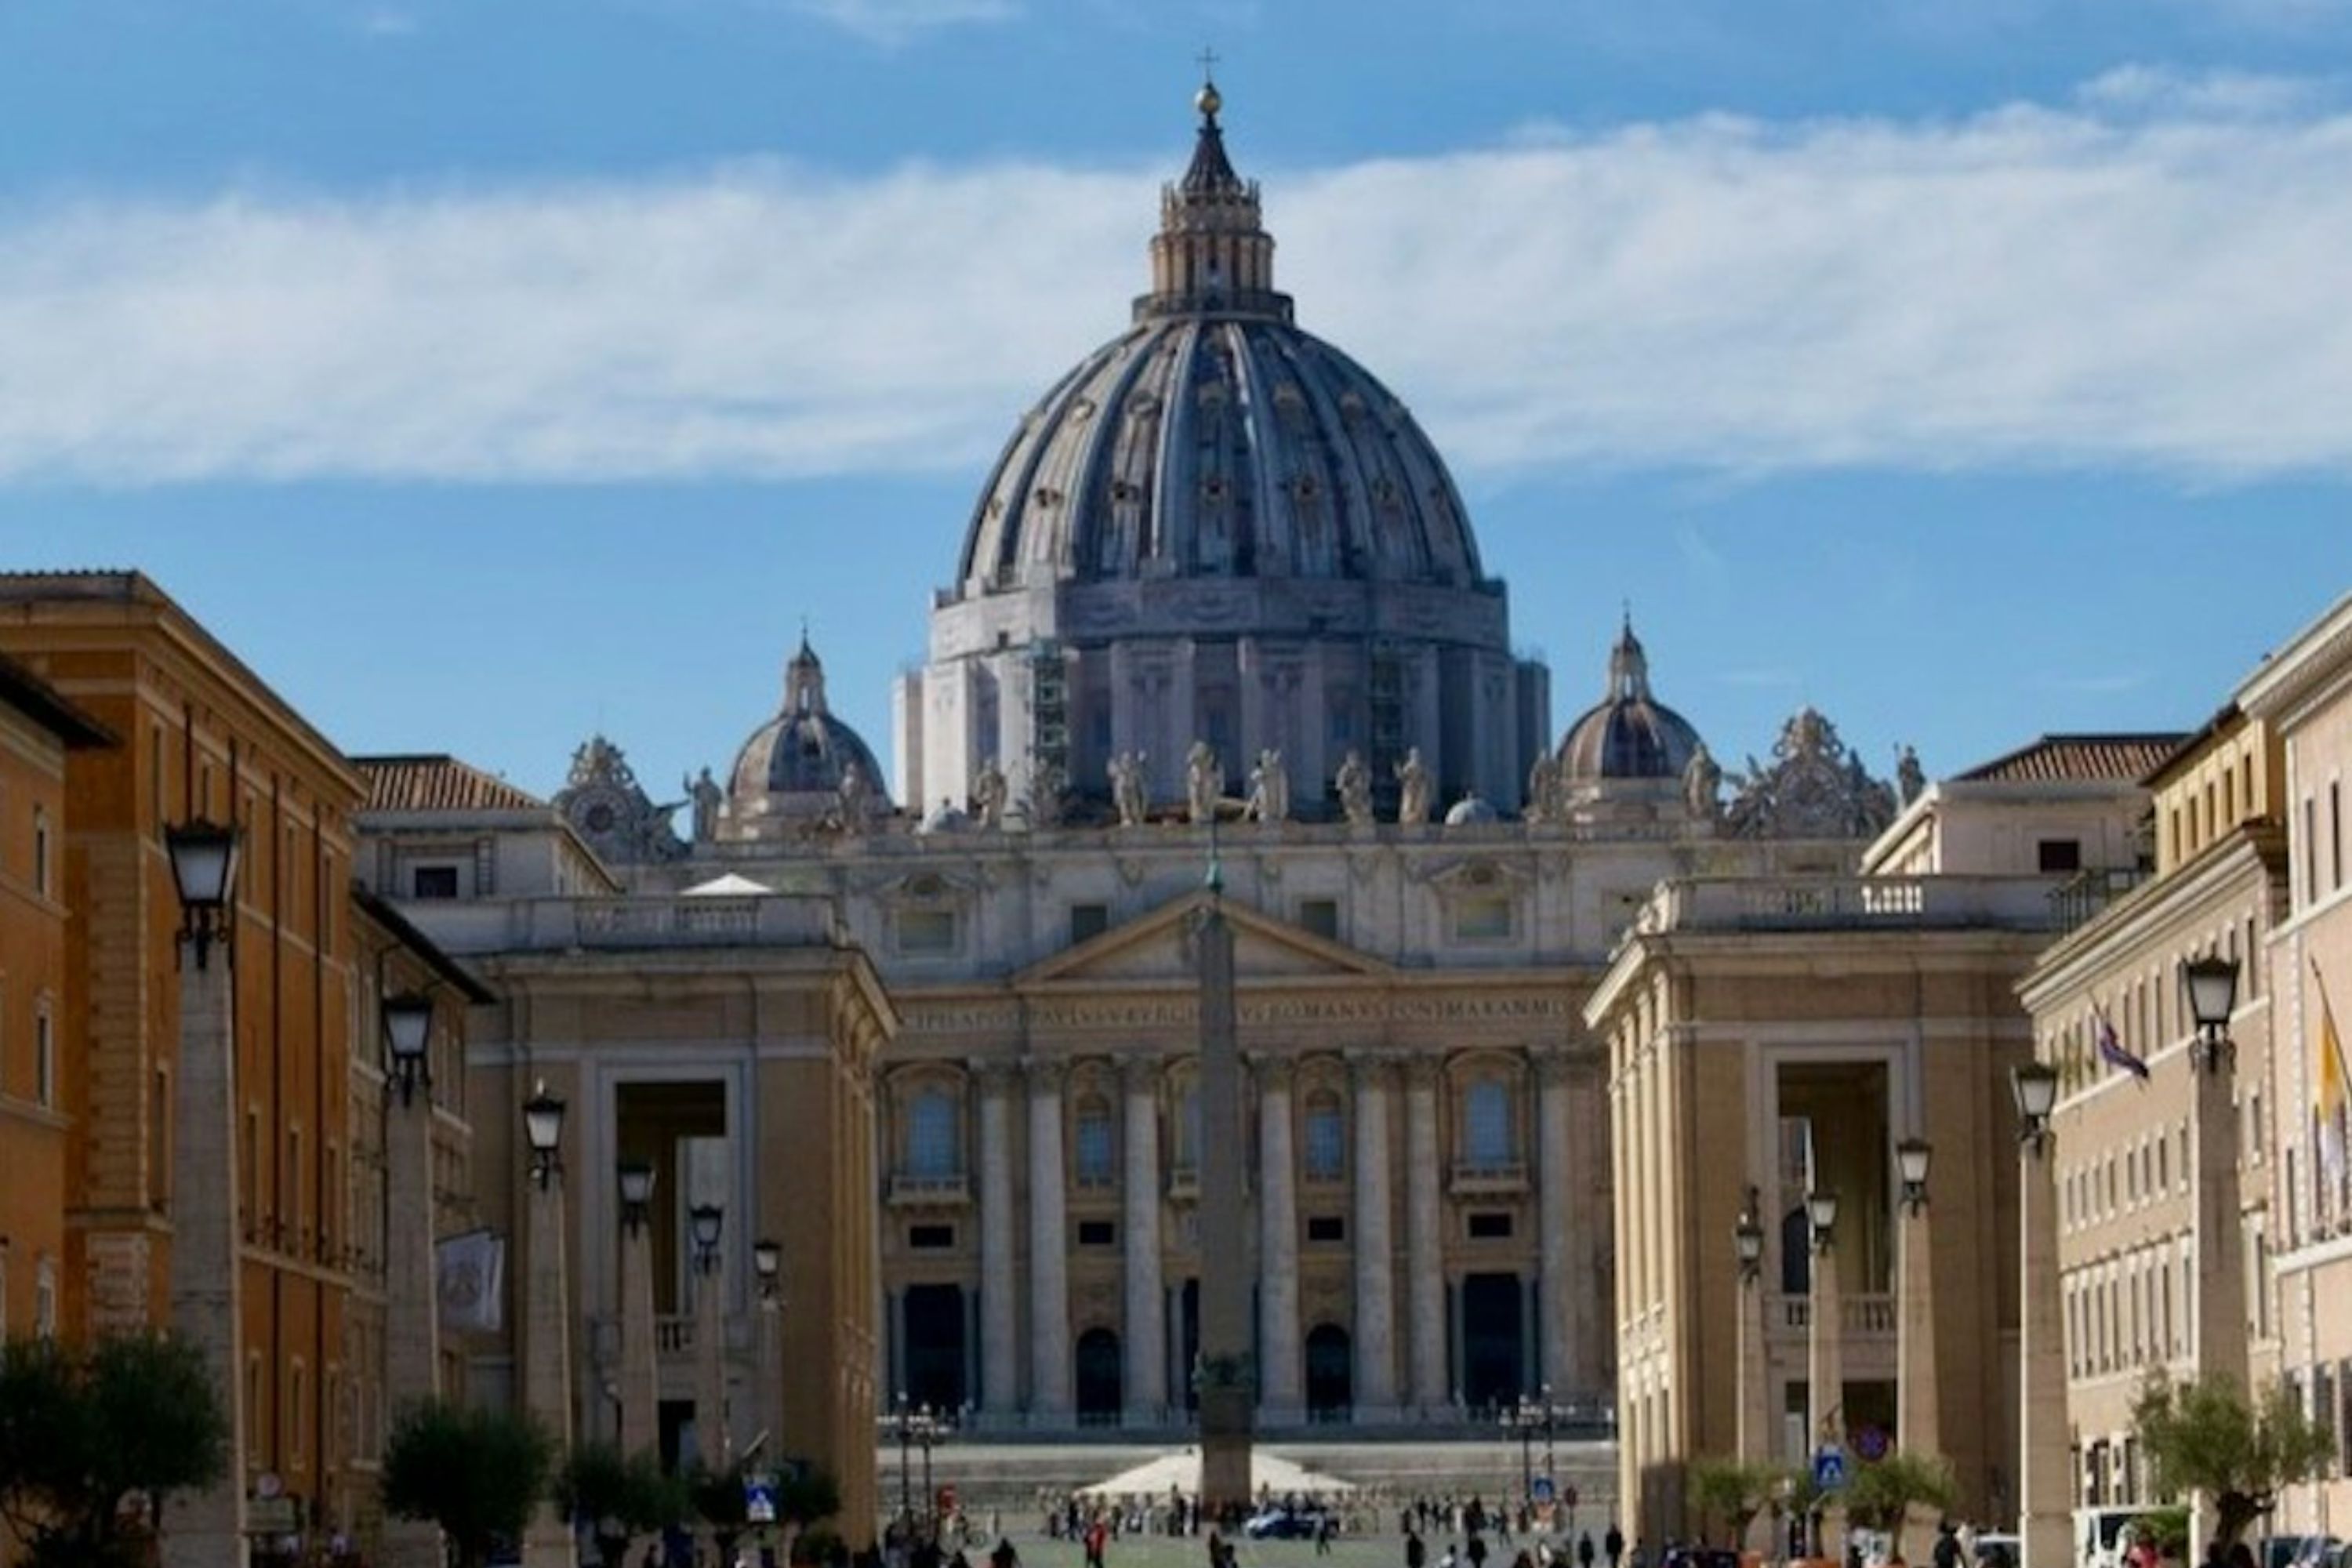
(1269, 1473)
(729, 886)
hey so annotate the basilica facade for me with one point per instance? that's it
(1218, 602)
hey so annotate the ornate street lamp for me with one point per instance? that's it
(636, 1192)
(704, 1221)
(1912, 1157)
(204, 871)
(767, 1263)
(1748, 1239)
(2212, 985)
(2035, 1087)
(543, 1127)
(1822, 1210)
(407, 1041)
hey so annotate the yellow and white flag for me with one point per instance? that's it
(2335, 1085)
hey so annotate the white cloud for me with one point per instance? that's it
(893, 22)
(2157, 289)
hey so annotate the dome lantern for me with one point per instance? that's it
(1629, 735)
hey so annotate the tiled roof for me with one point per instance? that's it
(434, 781)
(2079, 759)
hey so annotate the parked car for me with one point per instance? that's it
(1998, 1552)
(2303, 1552)
(1285, 1525)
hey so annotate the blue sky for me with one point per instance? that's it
(1968, 369)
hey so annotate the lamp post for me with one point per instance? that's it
(412, 1352)
(547, 1318)
(1825, 1368)
(705, 1221)
(1521, 1418)
(2045, 1517)
(207, 1302)
(768, 1266)
(916, 1426)
(1918, 1414)
(640, 1369)
(2211, 983)
(1755, 1437)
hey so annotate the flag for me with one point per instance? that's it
(2111, 1049)
(472, 1283)
(2334, 1085)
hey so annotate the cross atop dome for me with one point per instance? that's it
(804, 678)
(1628, 666)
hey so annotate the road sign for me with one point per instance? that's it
(1540, 1490)
(1829, 1469)
(759, 1499)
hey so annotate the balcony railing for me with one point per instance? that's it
(1870, 1316)
(929, 1192)
(562, 923)
(1818, 903)
(1488, 1178)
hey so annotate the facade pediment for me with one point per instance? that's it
(1157, 947)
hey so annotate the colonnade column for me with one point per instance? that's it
(1279, 1396)
(1146, 1323)
(1375, 1331)
(1000, 1384)
(1556, 1203)
(1424, 1248)
(1049, 1248)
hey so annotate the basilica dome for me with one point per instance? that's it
(796, 762)
(1629, 734)
(1216, 529)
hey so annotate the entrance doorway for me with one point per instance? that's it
(1331, 1374)
(935, 1346)
(1493, 1309)
(1100, 1386)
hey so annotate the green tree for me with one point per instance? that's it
(1733, 1491)
(1881, 1496)
(475, 1473)
(618, 1498)
(85, 1430)
(2206, 1435)
(719, 1503)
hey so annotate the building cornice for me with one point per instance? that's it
(2314, 664)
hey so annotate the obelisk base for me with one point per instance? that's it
(1225, 1444)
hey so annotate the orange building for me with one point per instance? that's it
(41, 1082)
(202, 736)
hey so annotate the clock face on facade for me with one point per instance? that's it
(599, 818)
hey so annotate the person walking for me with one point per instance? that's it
(1004, 1556)
(1613, 1544)
(1584, 1550)
(1416, 1550)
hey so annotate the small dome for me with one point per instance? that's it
(796, 761)
(1630, 734)
(1473, 810)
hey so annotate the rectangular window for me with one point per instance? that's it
(433, 882)
(2335, 834)
(930, 1237)
(1098, 1232)
(2059, 854)
(927, 932)
(2310, 850)
(1096, 1155)
(1486, 1125)
(45, 1061)
(41, 851)
(1088, 921)
(1490, 1227)
(1327, 1147)
(1486, 918)
(1326, 1227)
(1321, 917)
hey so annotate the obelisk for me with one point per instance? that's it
(1228, 1378)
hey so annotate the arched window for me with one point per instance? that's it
(1326, 1138)
(934, 1135)
(1095, 1149)
(1486, 1124)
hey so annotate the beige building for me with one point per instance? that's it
(2129, 1149)
(1770, 1037)
(2302, 695)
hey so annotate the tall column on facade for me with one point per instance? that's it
(1918, 1423)
(1825, 1357)
(2044, 1507)
(1425, 1244)
(1000, 1386)
(1280, 1394)
(640, 1365)
(207, 1529)
(1145, 1341)
(1557, 1285)
(1375, 1336)
(710, 1432)
(1049, 1248)
(412, 1346)
(1755, 1444)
